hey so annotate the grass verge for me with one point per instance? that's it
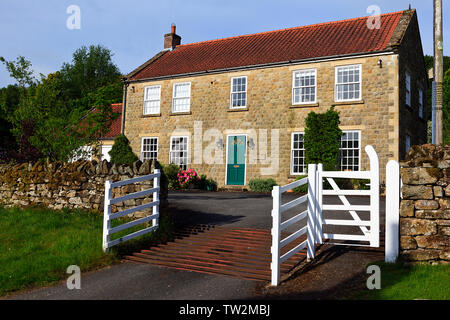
(38, 244)
(409, 282)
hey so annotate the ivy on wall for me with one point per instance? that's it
(322, 138)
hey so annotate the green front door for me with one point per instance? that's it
(237, 149)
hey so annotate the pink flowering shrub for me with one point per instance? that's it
(186, 177)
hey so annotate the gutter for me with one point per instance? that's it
(267, 65)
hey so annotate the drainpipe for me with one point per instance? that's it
(124, 103)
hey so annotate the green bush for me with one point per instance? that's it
(303, 188)
(262, 185)
(211, 185)
(171, 172)
(322, 138)
(121, 152)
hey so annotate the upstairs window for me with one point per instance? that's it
(348, 83)
(149, 149)
(238, 92)
(181, 101)
(408, 88)
(152, 100)
(421, 103)
(304, 86)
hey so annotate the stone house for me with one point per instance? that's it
(234, 108)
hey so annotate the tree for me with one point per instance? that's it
(322, 138)
(121, 152)
(91, 68)
(446, 107)
(20, 70)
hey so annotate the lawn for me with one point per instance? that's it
(37, 245)
(410, 282)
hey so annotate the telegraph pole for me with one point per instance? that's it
(438, 70)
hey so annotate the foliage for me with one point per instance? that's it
(303, 188)
(211, 185)
(446, 108)
(121, 152)
(171, 172)
(409, 282)
(45, 115)
(187, 177)
(322, 138)
(262, 185)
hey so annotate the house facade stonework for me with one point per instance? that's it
(269, 118)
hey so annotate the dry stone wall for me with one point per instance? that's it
(77, 185)
(425, 205)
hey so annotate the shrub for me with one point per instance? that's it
(188, 177)
(171, 172)
(303, 188)
(211, 185)
(262, 185)
(322, 138)
(121, 152)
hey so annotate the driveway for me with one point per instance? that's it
(134, 281)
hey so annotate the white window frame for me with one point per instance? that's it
(336, 68)
(407, 88)
(292, 155)
(359, 149)
(294, 87)
(232, 92)
(420, 103)
(174, 97)
(149, 100)
(142, 147)
(187, 150)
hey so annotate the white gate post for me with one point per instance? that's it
(156, 183)
(275, 250)
(392, 211)
(106, 214)
(319, 198)
(312, 200)
(374, 197)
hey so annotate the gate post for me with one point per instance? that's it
(156, 183)
(106, 214)
(312, 201)
(319, 198)
(275, 250)
(392, 211)
(374, 196)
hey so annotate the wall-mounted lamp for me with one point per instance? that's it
(219, 144)
(380, 63)
(251, 143)
(132, 89)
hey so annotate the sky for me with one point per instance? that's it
(133, 30)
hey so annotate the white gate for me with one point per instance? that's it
(109, 200)
(315, 208)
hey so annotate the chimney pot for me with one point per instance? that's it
(171, 40)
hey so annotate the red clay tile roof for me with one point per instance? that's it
(301, 43)
(116, 125)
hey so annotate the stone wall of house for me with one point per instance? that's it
(425, 205)
(77, 185)
(269, 106)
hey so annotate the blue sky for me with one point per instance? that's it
(133, 30)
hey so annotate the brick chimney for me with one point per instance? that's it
(171, 40)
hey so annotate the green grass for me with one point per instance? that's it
(37, 245)
(409, 282)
